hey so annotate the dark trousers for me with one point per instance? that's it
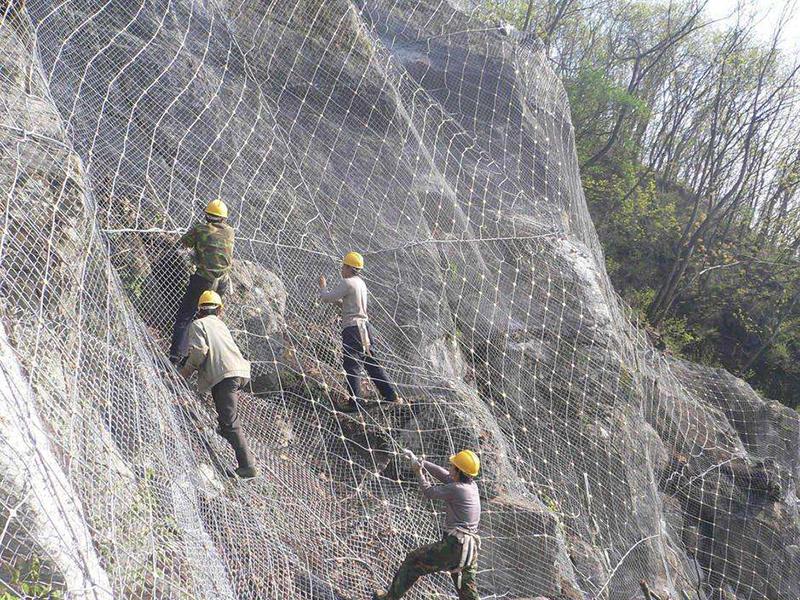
(353, 357)
(226, 395)
(443, 555)
(186, 310)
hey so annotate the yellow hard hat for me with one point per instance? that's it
(467, 462)
(353, 259)
(209, 299)
(217, 208)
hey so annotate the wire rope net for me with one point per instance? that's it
(438, 145)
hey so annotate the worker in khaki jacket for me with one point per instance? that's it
(357, 334)
(222, 369)
(212, 244)
(457, 551)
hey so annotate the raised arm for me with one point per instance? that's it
(335, 294)
(433, 492)
(438, 472)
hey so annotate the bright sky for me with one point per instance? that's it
(768, 13)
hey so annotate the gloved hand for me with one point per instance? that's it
(411, 456)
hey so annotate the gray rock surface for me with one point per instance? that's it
(254, 311)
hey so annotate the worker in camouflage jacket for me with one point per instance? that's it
(212, 245)
(457, 551)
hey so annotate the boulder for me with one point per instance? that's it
(518, 526)
(254, 312)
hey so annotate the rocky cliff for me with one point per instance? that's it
(441, 147)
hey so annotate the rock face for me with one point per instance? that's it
(442, 149)
(255, 309)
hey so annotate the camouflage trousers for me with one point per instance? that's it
(443, 555)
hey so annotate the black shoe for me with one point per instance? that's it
(244, 473)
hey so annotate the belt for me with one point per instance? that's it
(470, 544)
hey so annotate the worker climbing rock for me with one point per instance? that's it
(222, 369)
(212, 243)
(357, 333)
(457, 551)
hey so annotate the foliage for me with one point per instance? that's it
(26, 581)
(595, 101)
(638, 228)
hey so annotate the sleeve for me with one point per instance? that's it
(335, 294)
(197, 347)
(438, 472)
(434, 492)
(188, 238)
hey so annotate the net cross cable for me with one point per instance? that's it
(440, 146)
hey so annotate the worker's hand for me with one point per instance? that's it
(409, 455)
(323, 283)
(416, 466)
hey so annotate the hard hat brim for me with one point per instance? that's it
(452, 462)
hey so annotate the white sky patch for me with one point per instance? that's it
(768, 14)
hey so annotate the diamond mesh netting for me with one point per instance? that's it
(441, 148)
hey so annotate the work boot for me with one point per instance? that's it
(397, 401)
(244, 473)
(380, 595)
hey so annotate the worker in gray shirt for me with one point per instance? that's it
(457, 551)
(222, 370)
(357, 335)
